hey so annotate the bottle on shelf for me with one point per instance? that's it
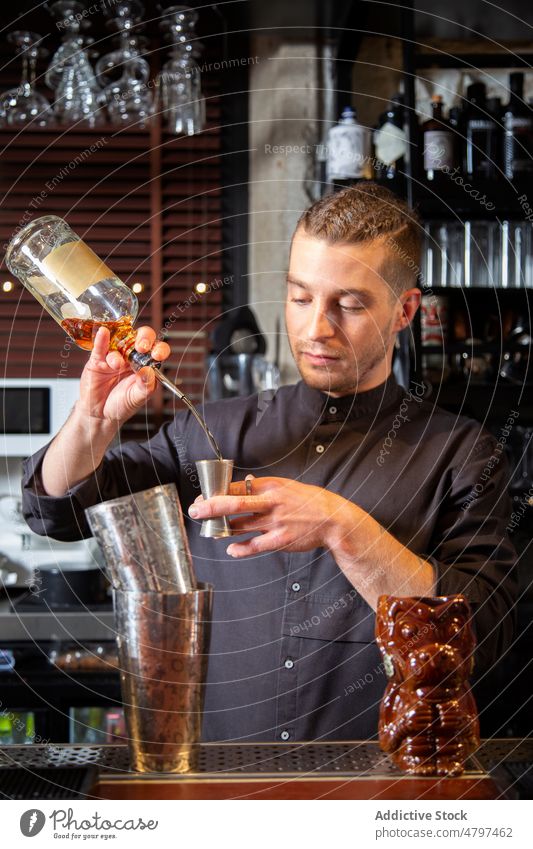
(518, 131)
(482, 135)
(455, 117)
(437, 142)
(391, 146)
(348, 150)
(433, 337)
(494, 106)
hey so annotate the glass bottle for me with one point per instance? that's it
(82, 294)
(390, 140)
(481, 134)
(518, 131)
(438, 142)
(72, 284)
(348, 149)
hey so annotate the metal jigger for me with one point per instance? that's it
(163, 643)
(215, 478)
(143, 539)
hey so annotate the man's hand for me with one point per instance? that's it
(109, 394)
(109, 389)
(292, 516)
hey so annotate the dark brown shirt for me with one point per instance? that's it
(293, 655)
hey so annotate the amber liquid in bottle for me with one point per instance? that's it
(83, 330)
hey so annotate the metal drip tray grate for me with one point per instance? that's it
(323, 758)
(492, 753)
(74, 782)
(510, 762)
(60, 756)
(226, 759)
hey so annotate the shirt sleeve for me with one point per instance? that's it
(130, 467)
(473, 553)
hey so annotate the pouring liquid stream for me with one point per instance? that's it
(122, 338)
(188, 403)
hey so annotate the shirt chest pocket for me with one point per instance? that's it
(342, 619)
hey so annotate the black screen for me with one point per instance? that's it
(25, 410)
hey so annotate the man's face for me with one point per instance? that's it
(341, 316)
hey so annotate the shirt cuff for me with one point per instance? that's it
(452, 581)
(43, 512)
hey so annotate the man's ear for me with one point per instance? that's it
(406, 307)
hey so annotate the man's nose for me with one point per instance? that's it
(320, 324)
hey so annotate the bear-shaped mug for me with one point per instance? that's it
(428, 719)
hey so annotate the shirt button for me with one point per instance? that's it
(333, 410)
(320, 449)
(296, 587)
(289, 663)
(285, 735)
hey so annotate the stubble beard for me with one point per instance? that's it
(348, 380)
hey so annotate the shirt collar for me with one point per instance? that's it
(372, 402)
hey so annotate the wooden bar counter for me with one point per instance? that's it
(501, 768)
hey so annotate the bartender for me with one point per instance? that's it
(356, 487)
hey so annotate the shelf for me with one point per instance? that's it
(484, 402)
(440, 59)
(451, 201)
(478, 291)
(481, 348)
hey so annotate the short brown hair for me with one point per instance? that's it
(364, 213)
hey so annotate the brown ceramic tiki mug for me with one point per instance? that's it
(428, 717)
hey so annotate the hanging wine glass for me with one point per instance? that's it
(25, 105)
(179, 82)
(70, 73)
(128, 98)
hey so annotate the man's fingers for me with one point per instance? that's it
(250, 523)
(228, 505)
(146, 381)
(100, 346)
(160, 351)
(145, 339)
(257, 545)
(116, 361)
(142, 387)
(241, 487)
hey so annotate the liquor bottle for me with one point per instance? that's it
(348, 155)
(390, 142)
(456, 119)
(518, 131)
(73, 284)
(481, 156)
(82, 294)
(494, 106)
(438, 142)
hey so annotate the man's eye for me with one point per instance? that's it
(346, 308)
(299, 301)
